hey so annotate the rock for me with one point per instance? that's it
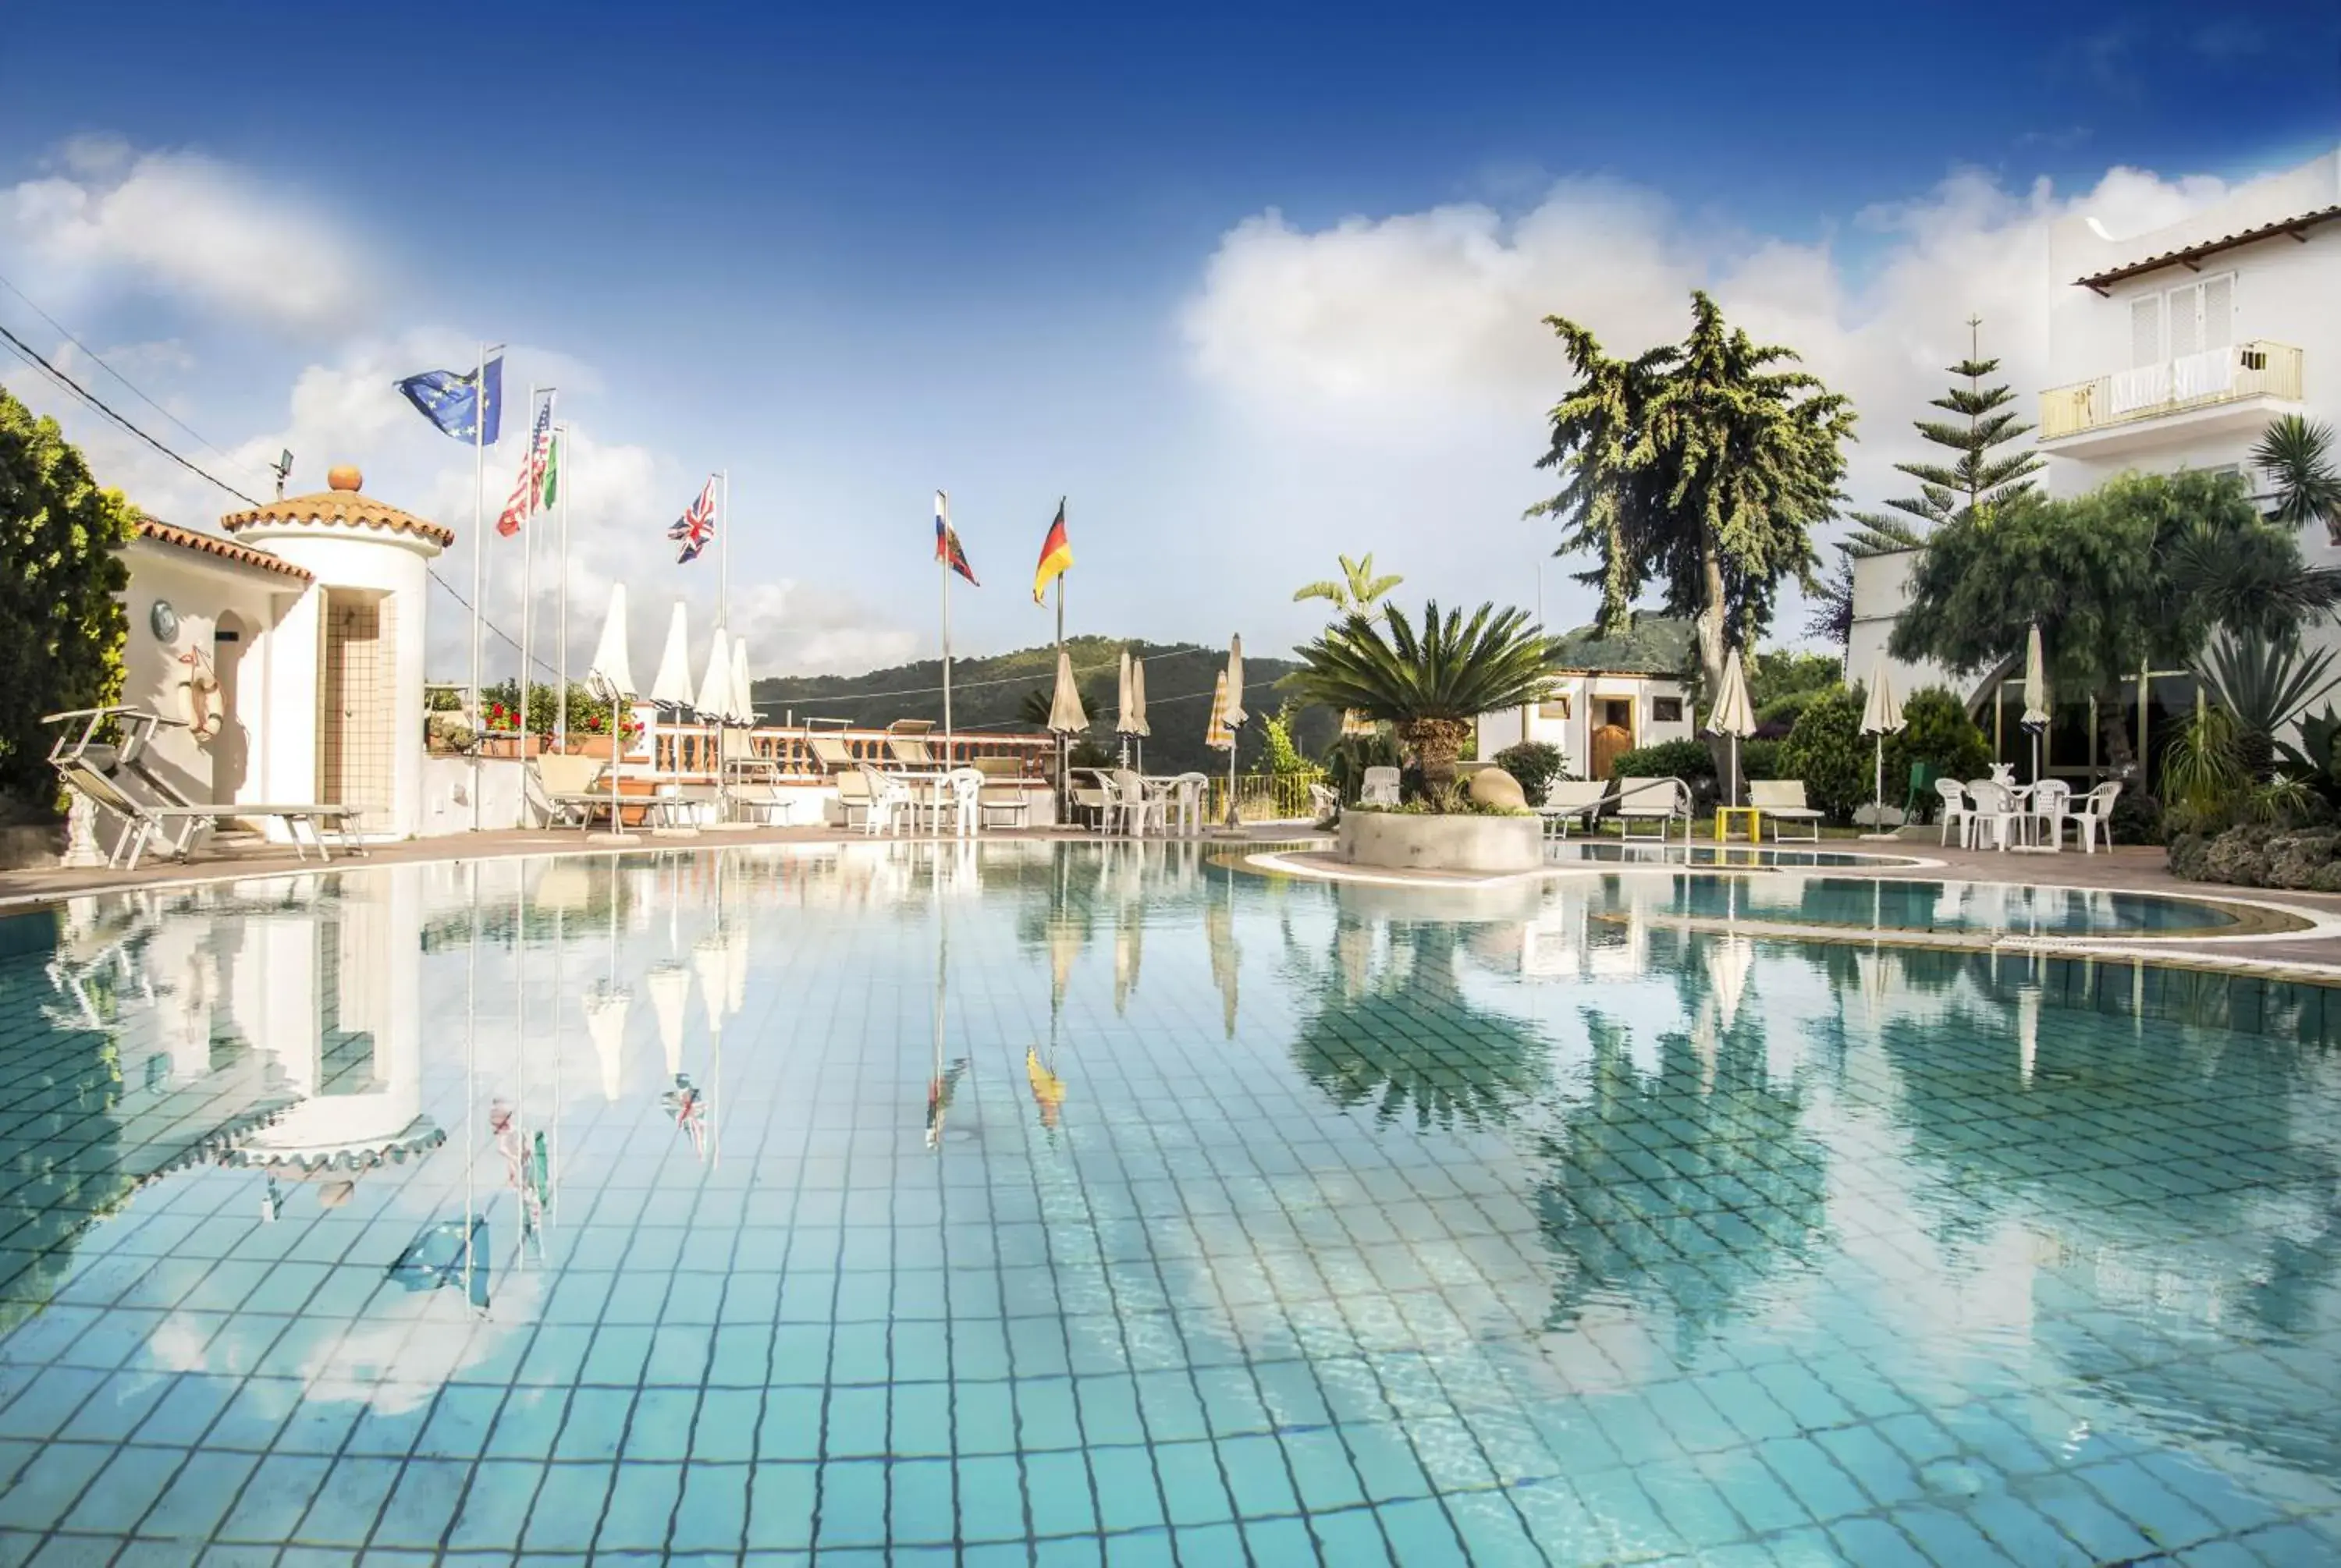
(2238, 857)
(1494, 787)
(2296, 859)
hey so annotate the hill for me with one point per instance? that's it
(991, 693)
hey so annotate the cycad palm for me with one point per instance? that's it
(1428, 684)
(1357, 589)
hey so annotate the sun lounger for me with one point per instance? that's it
(1782, 802)
(1567, 800)
(147, 822)
(1658, 800)
(561, 789)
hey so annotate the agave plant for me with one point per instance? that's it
(2266, 682)
(1431, 684)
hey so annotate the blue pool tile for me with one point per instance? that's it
(1059, 1492)
(344, 1511)
(852, 1503)
(782, 1498)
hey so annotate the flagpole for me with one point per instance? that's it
(528, 567)
(724, 624)
(479, 564)
(561, 703)
(943, 565)
(1064, 741)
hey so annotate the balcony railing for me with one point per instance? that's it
(2251, 369)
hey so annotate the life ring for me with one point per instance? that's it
(199, 701)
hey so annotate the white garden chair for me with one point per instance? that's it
(963, 794)
(1380, 788)
(2094, 816)
(1956, 813)
(1991, 812)
(891, 802)
(2048, 811)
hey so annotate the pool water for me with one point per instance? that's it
(1066, 1204)
(1616, 852)
(1894, 905)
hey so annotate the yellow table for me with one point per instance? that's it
(1723, 816)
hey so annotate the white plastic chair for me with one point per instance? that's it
(1127, 800)
(2048, 811)
(963, 788)
(891, 801)
(1187, 793)
(1990, 813)
(1955, 812)
(1380, 788)
(2095, 816)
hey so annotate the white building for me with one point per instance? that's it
(292, 651)
(2168, 350)
(1610, 695)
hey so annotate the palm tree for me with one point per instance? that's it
(1357, 589)
(1430, 686)
(2293, 453)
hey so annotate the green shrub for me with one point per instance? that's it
(1937, 732)
(1688, 760)
(1534, 763)
(1827, 750)
(1787, 710)
(1759, 758)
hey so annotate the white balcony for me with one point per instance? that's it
(2218, 390)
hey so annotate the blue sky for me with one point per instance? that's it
(1249, 289)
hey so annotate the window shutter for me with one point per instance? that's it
(2185, 320)
(2219, 311)
(2146, 332)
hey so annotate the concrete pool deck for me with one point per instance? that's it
(2313, 955)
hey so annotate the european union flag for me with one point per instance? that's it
(452, 401)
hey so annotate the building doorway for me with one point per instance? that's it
(357, 703)
(231, 748)
(1613, 734)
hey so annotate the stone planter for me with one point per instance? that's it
(1405, 842)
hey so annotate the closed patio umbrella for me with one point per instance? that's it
(670, 688)
(1218, 737)
(742, 709)
(1734, 716)
(1232, 715)
(1139, 725)
(1066, 715)
(714, 697)
(2038, 703)
(1121, 704)
(611, 677)
(1881, 715)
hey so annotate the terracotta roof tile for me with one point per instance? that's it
(225, 549)
(2296, 226)
(340, 506)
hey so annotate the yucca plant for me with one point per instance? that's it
(1428, 684)
(2201, 770)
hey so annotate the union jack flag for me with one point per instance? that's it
(531, 483)
(696, 526)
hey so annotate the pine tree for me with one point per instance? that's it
(1976, 479)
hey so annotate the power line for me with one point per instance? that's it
(1000, 680)
(34, 358)
(30, 354)
(66, 333)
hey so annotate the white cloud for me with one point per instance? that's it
(1406, 353)
(181, 224)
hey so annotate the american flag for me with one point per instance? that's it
(531, 483)
(696, 526)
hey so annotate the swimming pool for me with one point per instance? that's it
(1065, 1204)
(1620, 852)
(1892, 904)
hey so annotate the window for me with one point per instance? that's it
(1666, 709)
(1553, 707)
(2172, 323)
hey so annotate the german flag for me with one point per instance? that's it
(1056, 557)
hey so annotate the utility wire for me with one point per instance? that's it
(30, 354)
(36, 359)
(66, 333)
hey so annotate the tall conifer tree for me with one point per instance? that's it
(1982, 421)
